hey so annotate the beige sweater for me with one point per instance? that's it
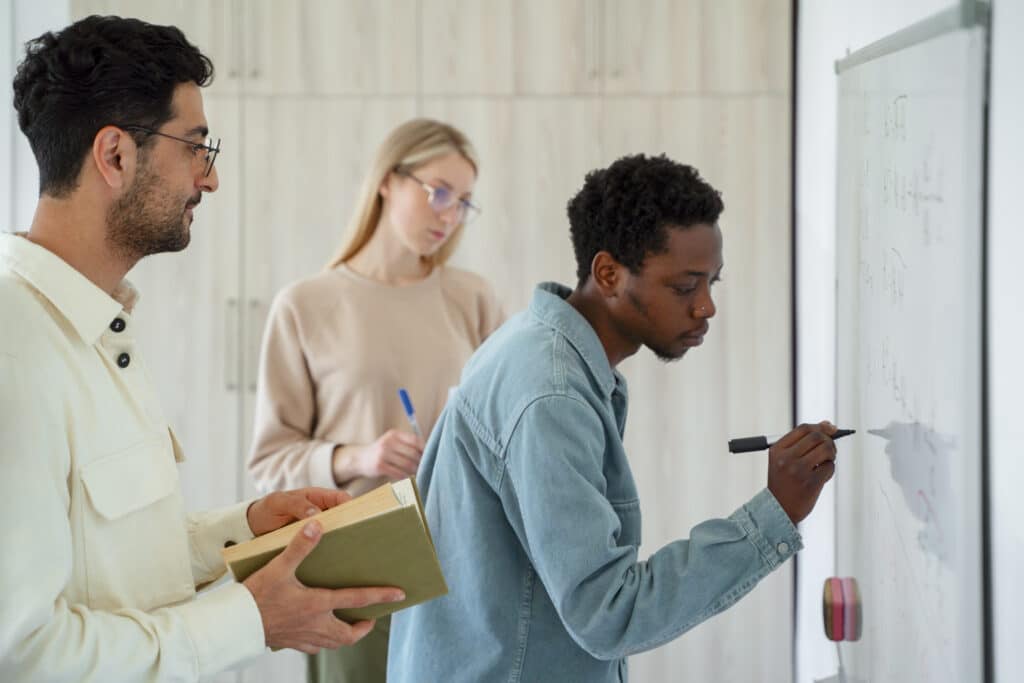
(336, 350)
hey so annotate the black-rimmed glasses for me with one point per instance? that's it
(211, 146)
(441, 199)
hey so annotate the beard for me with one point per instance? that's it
(667, 356)
(148, 219)
(664, 354)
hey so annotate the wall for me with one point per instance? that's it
(19, 179)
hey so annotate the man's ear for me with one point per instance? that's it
(608, 274)
(114, 154)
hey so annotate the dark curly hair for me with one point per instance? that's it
(97, 72)
(625, 209)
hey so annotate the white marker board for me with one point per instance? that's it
(909, 522)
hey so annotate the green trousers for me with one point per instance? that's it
(364, 662)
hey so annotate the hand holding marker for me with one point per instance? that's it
(409, 412)
(800, 462)
(750, 444)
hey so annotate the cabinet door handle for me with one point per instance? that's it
(255, 337)
(254, 34)
(231, 344)
(613, 58)
(233, 44)
(594, 40)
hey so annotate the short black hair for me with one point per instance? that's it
(626, 209)
(97, 72)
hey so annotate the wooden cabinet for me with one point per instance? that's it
(331, 47)
(652, 47)
(466, 47)
(497, 47)
(746, 46)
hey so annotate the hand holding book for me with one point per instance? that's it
(302, 618)
(378, 539)
(277, 509)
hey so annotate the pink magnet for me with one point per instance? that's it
(851, 599)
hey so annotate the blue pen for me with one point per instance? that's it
(409, 412)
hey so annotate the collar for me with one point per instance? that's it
(87, 307)
(549, 305)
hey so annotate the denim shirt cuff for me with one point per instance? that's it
(769, 528)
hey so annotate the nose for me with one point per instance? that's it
(209, 183)
(451, 216)
(705, 308)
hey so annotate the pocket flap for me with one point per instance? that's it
(131, 479)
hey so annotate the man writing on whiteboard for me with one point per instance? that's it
(528, 489)
(101, 563)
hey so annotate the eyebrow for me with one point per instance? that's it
(442, 181)
(702, 273)
(202, 131)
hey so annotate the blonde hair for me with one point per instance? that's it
(408, 147)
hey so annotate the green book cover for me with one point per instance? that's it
(391, 548)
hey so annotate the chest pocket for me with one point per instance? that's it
(135, 545)
(629, 519)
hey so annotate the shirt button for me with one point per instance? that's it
(783, 548)
(117, 325)
(123, 360)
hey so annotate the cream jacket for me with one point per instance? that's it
(100, 561)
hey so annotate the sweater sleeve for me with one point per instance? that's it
(284, 455)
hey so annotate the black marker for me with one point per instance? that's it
(760, 443)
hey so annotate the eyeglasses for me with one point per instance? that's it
(441, 199)
(211, 146)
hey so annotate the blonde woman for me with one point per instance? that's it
(386, 314)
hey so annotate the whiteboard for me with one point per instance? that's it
(909, 524)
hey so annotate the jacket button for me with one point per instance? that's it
(123, 360)
(117, 325)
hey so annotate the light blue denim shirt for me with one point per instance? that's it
(535, 515)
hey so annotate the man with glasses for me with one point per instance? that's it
(101, 562)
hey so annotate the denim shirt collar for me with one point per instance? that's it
(549, 305)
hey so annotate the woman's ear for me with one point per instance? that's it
(385, 185)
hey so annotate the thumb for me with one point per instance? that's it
(299, 547)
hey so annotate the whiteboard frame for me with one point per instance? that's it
(968, 14)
